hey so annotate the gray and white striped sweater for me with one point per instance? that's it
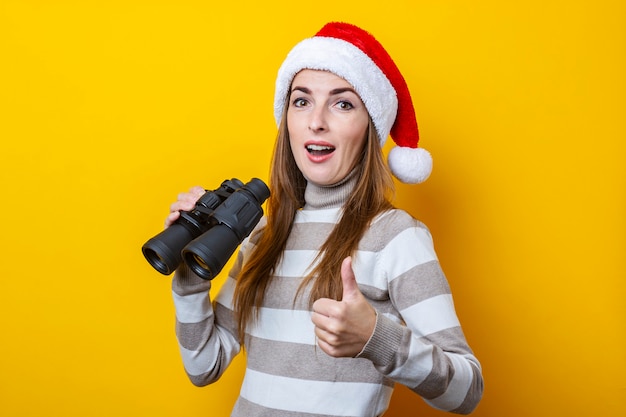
(417, 341)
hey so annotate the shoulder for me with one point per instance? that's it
(395, 226)
(397, 218)
(392, 225)
(396, 245)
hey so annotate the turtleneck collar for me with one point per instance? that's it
(318, 197)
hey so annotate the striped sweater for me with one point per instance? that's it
(417, 340)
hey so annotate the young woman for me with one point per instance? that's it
(336, 295)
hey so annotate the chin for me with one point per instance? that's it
(324, 181)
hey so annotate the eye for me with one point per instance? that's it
(299, 102)
(344, 105)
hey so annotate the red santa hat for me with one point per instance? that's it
(356, 56)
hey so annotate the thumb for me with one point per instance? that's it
(350, 288)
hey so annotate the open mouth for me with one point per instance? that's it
(320, 149)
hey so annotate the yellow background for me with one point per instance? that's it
(110, 108)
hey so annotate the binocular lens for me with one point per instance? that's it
(200, 262)
(207, 255)
(163, 250)
(156, 261)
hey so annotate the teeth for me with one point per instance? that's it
(319, 148)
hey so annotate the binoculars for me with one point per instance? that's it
(206, 236)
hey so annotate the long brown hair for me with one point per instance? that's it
(370, 197)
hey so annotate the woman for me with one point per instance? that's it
(336, 295)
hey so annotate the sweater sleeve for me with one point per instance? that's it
(423, 347)
(205, 331)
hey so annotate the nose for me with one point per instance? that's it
(318, 121)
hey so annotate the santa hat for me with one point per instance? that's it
(356, 56)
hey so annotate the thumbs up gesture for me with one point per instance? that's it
(344, 327)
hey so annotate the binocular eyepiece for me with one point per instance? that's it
(206, 237)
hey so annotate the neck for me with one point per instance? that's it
(329, 196)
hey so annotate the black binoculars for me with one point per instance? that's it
(206, 237)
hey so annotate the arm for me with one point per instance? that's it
(428, 352)
(206, 347)
(415, 338)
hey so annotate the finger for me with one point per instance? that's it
(350, 287)
(328, 338)
(323, 306)
(328, 344)
(187, 201)
(181, 205)
(326, 348)
(196, 192)
(173, 216)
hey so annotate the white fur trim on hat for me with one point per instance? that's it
(348, 62)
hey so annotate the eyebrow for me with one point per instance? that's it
(332, 92)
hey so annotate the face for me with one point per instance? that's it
(327, 124)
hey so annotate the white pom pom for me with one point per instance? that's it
(410, 165)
